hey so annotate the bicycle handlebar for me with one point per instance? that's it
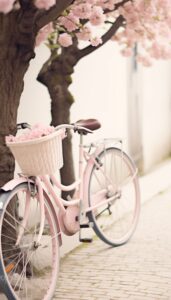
(75, 127)
(23, 126)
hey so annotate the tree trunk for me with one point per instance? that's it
(16, 44)
(56, 77)
(11, 86)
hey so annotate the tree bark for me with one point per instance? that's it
(17, 44)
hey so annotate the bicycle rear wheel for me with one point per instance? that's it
(115, 182)
(29, 270)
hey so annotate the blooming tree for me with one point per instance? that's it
(25, 23)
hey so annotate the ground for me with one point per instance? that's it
(139, 270)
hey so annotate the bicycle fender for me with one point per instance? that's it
(9, 186)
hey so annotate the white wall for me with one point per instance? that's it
(156, 113)
(35, 103)
(99, 87)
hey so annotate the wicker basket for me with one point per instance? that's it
(39, 156)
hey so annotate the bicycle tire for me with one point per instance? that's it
(27, 272)
(118, 169)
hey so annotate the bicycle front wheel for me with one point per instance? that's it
(113, 191)
(30, 270)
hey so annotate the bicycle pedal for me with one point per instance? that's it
(84, 225)
(87, 225)
(86, 240)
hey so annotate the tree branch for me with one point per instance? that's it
(106, 37)
(46, 16)
(119, 4)
(116, 6)
(26, 4)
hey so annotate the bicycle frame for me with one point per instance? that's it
(50, 181)
(80, 185)
(34, 215)
(43, 183)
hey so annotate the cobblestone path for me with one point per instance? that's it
(139, 270)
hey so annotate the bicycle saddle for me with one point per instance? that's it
(91, 124)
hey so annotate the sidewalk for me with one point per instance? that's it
(139, 270)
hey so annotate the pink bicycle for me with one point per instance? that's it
(33, 214)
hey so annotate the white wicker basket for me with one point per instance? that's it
(39, 156)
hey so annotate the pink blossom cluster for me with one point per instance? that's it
(147, 24)
(44, 4)
(65, 39)
(44, 33)
(90, 10)
(37, 131)
(6, 6)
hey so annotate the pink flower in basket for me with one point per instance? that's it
(37, 131)
(42, 145)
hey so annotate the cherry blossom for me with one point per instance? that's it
(97, 16)
(85, 34)
(6, 5)
(70, 22)
(82, 11)
(65, 40)
(96, 41)
(145, 23)
(44, 4)
(37, 131)
(44, 33)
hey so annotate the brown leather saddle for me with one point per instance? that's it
(91, 124)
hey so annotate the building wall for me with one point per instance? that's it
(156, 113)
(149, 113)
